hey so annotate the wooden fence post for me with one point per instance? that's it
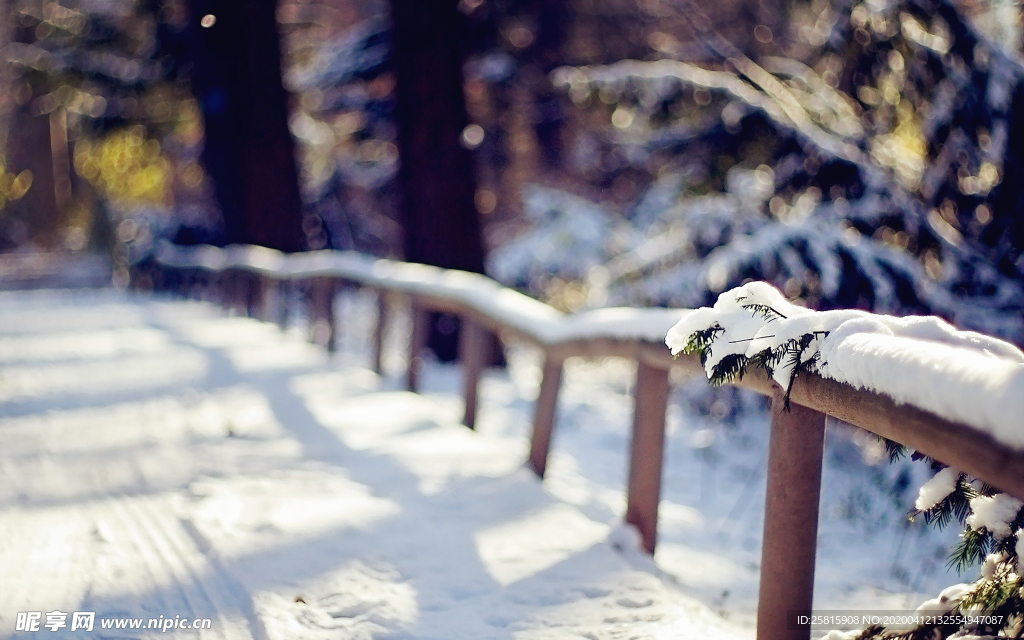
(190, 289)
(268, 300)
(790, 520)
(417, 342)
(240, 301)
(255, 292)
(473, 344)
(281, 290)
(203, 286)
(222, 289)
(322, 311)
(250, 293)
(232, 291)
(187, 285)
(379, 331)
(240, 293)
(647, 451)
(544, 413)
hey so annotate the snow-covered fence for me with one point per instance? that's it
(961, 436)
(855, 365)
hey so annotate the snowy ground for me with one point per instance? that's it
(160, 458)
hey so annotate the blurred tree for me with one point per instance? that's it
(343, 125)
(31, 150)
(36, 216)
(83, 73)
(886, 140)
(436, 176)
(249, 151)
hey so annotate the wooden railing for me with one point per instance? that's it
(249, 279)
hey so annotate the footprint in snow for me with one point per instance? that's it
(634, 603)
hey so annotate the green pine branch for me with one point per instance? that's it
(729, 369)
(995, 594)
(971, 550)
(733, 366)
(957, 505)
(768, 359)
(701, 341)
(1000, 595)
(765, 311)
(895, 450)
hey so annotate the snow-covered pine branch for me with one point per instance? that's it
(993, 538)
(923, 361)
(567, 238)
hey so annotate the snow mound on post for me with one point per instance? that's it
(963, 376)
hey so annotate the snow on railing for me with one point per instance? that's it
(920, 360)
(917, 361)
(957, 397)
(497, 305)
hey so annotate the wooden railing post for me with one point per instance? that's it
(647, 451)
(187, 285)
(322, 311)
(227, 291)
(379, 331)
(473, 344)
(417, 342)
(255, 292)
(790, 520)
(268, 298)
(241, 293)
(280, 290)
(250, 293)
(238, 292)
(544, 413)
(207, 286)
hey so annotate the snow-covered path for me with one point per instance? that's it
(160, 459)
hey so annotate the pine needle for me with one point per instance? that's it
(730, 368)
(971, 550)
(765, 311)
(895, 450)
(701, 341)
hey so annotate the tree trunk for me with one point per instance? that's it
(249, 152)
(436, 177)
(553, 18)
(1006, 233)
(29, 147)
